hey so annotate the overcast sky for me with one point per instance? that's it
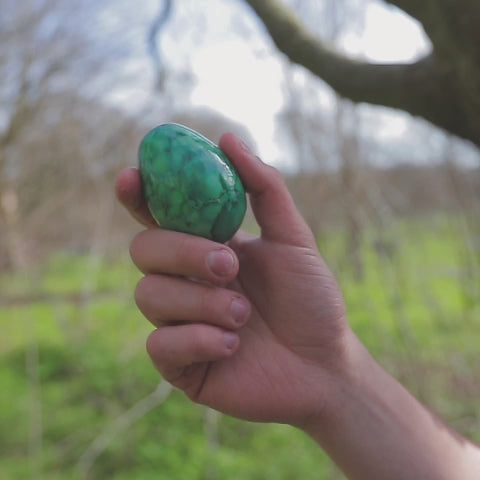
(237, 71)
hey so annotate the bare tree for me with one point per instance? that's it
(317, 138)
(52, 58)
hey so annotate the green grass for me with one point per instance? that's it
(74, 362)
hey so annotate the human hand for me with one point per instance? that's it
(272, 357)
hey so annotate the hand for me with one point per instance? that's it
(255, 328)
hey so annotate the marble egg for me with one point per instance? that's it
(189, 184)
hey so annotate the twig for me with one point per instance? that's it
(121, 423)
(35, 408)
(47, 297)
(211, 421)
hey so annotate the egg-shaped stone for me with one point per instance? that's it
(189, 184)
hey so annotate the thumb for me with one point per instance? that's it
(271, 202)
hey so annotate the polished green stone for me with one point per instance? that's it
(189, 183)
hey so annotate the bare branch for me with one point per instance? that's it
(359, 81)
(152, 41)
(120, 424)
(431, 87)
(414, 8)
(451, 25)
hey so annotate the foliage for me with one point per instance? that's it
(89, 368)
(74, 364)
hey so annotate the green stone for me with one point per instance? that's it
(189, 184)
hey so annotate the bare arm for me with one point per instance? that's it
(375, 429)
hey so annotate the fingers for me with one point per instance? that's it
(162, 251)
(272, 204)
(197, 321)
(179, 352)
(128, 189)
(166, 300)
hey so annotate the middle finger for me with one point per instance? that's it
(165, 299)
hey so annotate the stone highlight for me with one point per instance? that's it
(189, 184)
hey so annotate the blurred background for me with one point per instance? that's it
(392, 199)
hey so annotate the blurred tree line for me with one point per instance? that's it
(60, 147)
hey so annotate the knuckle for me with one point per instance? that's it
(208, 305)
(276, 177)
(183, 249)
(136, 247)
(144, 289)
(161, 348)
(214, 306)
(154, 347)
(202, 341)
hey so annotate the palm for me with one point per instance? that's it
(256, 382)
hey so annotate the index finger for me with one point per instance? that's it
(128, 189)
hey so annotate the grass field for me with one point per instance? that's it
(80, 399)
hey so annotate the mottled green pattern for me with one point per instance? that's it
(189, 183)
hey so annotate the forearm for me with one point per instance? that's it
(375, 429)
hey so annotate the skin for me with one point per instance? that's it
(257, 329)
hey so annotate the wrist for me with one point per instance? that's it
(372, 427)
(348, 378)
(329, 381)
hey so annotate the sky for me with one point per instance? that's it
(388, 36)
(238, 71)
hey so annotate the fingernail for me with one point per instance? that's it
(239, 310)
(221, 262)
(231, 340)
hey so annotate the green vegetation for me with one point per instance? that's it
(77, 386)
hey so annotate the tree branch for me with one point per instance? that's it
(424, 88)
(158, 23)
(449, 24)
(121, 424)
(360, 81)
(414, 8)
